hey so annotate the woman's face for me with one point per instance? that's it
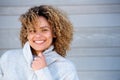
(40, 38)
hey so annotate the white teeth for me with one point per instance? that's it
(39, 42)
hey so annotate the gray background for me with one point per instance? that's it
(96, 45)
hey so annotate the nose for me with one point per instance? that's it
(38, 34)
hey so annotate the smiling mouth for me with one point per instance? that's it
(39, 42)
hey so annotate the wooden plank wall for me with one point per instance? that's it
(96, 44)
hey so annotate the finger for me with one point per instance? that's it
(36, 62)
(37, 58)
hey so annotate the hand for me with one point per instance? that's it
(39, 62)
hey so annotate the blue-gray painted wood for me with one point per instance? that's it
(96, 63)
(91, 20)
(96, 20)
(82, 38)
(99, 75)
(96, 43)
(76, 9)
(94, 52)
(55, 2)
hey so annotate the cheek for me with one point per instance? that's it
(49, 35)
(29, 37)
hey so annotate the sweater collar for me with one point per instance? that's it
(50, 55)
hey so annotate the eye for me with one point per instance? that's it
(32, 31)
(44, 30)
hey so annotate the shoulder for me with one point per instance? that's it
(63, 67)
(64, 63)
(58, 62)
(11, 53)
(67, 64)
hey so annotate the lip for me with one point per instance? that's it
(39, 41)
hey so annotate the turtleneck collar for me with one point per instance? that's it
(49, 54)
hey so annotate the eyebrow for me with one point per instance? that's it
(44, 27)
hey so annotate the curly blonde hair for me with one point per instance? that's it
(61, 26)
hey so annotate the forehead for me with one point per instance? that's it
(41, 22)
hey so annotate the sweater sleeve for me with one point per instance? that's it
(44, 74)
(1, 74)
(70, 72)
(71, 76)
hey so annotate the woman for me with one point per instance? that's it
(46, 34)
